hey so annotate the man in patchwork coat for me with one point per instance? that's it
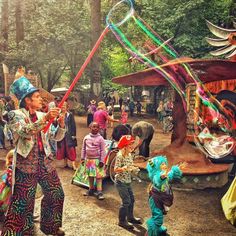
(33, 164)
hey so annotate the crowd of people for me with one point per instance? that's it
(30, 162)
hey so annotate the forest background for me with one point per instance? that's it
(53, 37)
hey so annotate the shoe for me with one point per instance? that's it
(135, 220)
(100, 196)
(126, 225)
(90, 192)
(59, 232)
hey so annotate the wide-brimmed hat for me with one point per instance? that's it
(21, 88)
(125, 140)
(93, 102)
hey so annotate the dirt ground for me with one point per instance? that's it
(194, 212)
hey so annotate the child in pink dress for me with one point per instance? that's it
(124, 115)
(93, 154)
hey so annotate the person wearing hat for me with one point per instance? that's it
(101, 117)
(124, 167)
(32, 164)
(91, 109)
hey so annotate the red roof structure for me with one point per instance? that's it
(208, 70)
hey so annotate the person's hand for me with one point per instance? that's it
(52, 114)
(130, 168)
(135, 170)
(101, 164)
(183, 165)
(164, 175)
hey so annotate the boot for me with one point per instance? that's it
(89, 192)
(135, 220)
(126, 225)
(122, 219)
(131, 218)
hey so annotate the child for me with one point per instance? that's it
(124, 115)
(110, 110)
(93, 153)
(123, 168)
(160, 195)
(5, 186)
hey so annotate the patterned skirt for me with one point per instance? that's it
(93, 170)
(65, 152)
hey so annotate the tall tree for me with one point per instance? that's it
(19, 21)
(5, 25)
(95, 83)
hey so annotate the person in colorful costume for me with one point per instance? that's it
(228, 203)
(5, 186)
(124, 115)
(32, 164)
(93, 155)
(160, 195)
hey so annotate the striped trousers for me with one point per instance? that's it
(19, 216)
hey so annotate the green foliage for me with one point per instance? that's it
(185, 21)
(57, 36)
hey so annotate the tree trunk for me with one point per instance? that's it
(95, 80)
(19, 21)
(179, 119)
(5, 25)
